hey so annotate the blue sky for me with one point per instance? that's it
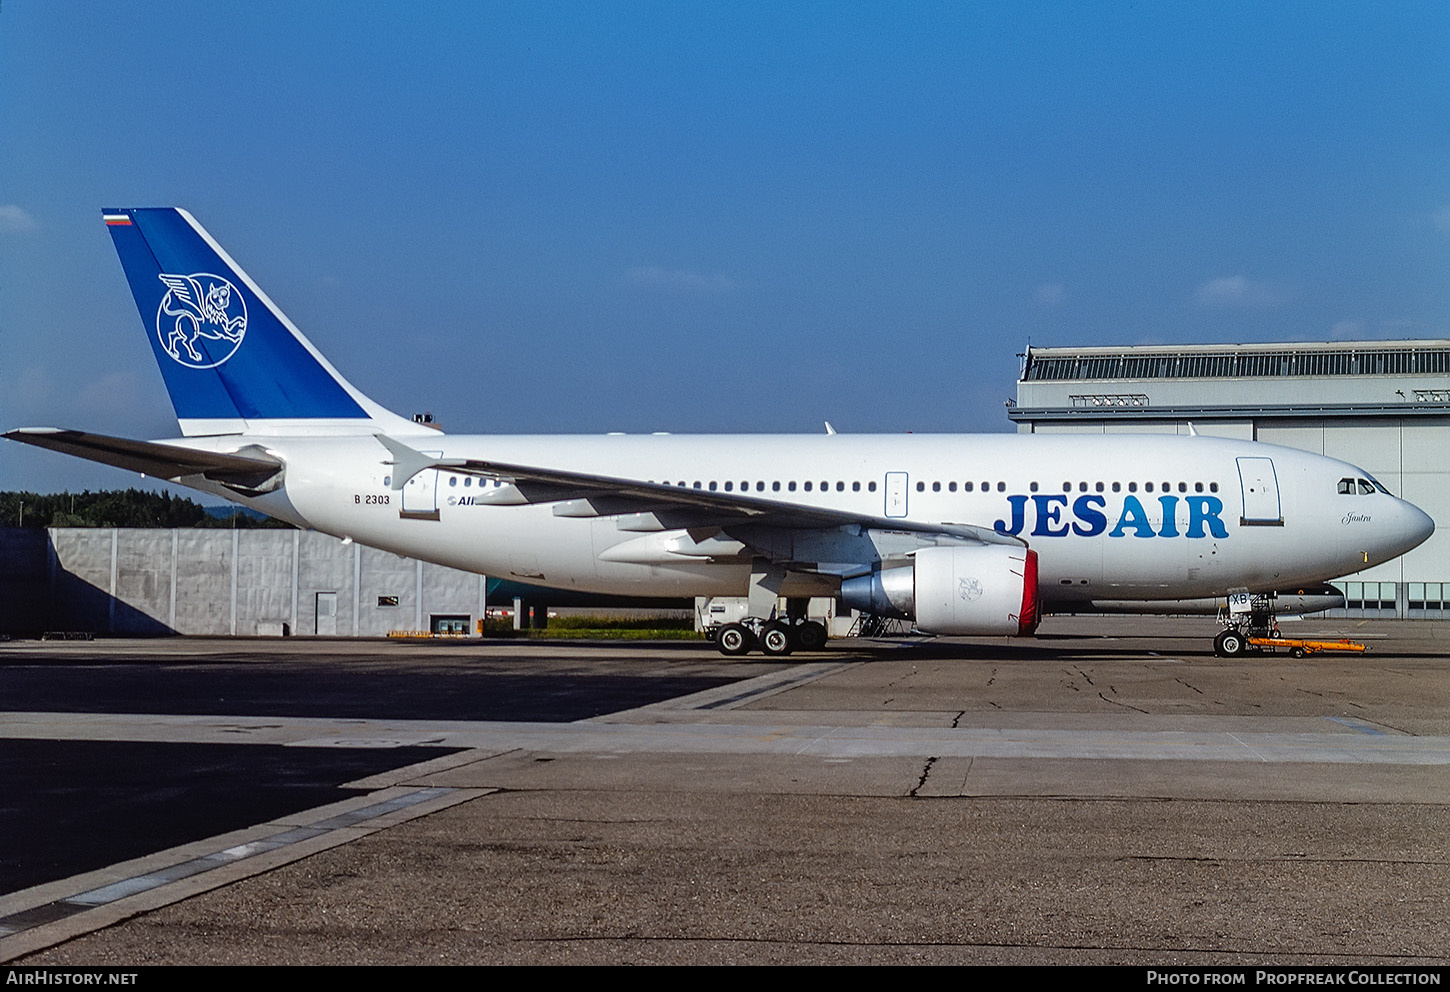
(582, 217)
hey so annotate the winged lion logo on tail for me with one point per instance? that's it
(200, 307)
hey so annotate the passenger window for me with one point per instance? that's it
(855, 487)
(808, 487)
(1132, 487)
(951, 487)
(1198, 487)
(1098, 487)
(791, 486)
(921, 487)
(840, 487)
(760, 487)
(453, 480)
(1117, 487)
(1067, 487)
(966, 487)
(1147, 487)
(1032, 487)
(1183, 487)
(1213, 487)
(936, 487)
(1082, 487)
(712, 485)
(729, 486)
(1001, 487)
(871, 486)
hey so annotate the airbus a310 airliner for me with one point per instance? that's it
(968, 535)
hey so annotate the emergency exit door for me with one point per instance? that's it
(896, 494)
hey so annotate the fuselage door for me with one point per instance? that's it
(896, 494)
(1261, 493)
(420, 495)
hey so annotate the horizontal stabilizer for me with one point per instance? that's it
(252, 472)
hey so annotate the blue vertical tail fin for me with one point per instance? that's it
(232, 361)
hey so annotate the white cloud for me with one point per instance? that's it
(14, 220)
(1239, 293)
(1049, 294)
(658, 277)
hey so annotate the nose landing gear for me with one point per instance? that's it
(1248, 617)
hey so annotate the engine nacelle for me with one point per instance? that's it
(971, 591)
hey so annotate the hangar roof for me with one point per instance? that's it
(1239, 361)
(1318, 380)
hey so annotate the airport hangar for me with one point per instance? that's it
(1381, 405)
(1384, 406)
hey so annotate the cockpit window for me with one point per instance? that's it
(1361, 487)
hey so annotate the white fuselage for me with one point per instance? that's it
(1123, 517)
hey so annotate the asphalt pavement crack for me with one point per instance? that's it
(925, 771)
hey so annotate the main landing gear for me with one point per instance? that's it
(780, 634)
(773, 637)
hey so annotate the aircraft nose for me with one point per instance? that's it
(1416, 525)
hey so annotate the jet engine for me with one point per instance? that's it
(984, 590)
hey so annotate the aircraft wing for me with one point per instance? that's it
(579, 494)
(251, 470)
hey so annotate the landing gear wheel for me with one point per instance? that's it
(734, 639)
(1229, 644)
(810, 636)
(775, 639)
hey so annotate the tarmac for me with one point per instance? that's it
(1107, 793)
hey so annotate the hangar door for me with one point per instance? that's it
(1260, 488)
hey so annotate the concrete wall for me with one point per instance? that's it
(218, 582)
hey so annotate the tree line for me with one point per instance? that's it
(118, 508)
